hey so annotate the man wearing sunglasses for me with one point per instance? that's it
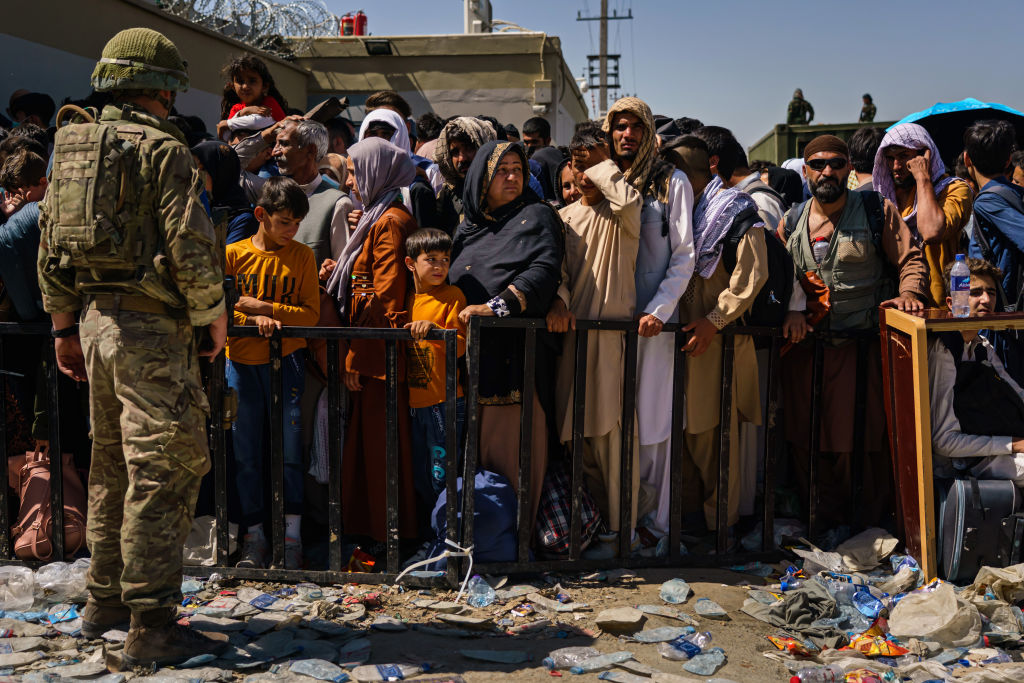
(866, 258)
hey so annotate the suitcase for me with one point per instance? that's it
(971, 526)
(1011, 539)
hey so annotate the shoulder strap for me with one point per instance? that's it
(876, 215)
(761, 186)
(986, 253)
(741, 224)
(792, 218)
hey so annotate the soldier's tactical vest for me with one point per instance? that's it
(853, 269)
(100, 211)
(315, 229)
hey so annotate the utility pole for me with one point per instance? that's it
(603, 82)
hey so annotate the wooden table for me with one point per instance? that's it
(904, 339)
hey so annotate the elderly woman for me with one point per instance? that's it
(370, 285)
(506, 258)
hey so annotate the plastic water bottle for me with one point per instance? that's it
(566, 657)
(601, 662)
(684, 647)
(960, 287)
(819, 674)
(479, 593)
(819, 249)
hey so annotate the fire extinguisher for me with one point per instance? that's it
(360, 23)
(347, 25)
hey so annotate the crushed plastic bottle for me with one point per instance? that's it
(675, 591)
(706, 663)
(819, 674)
(320, 669)
(16, 588)
(684, 647)
(385, 672)
(842, 592)
(867, 604)
(790, 580)
(706, 607)
(601, 662)
(479, 593)
(566, 657)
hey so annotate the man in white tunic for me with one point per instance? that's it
(663, 269)
(601, 241)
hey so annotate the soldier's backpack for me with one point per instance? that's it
(92, 206)
(772, 301)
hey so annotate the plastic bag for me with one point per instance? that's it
(201, 544)
(16, 584)
(62, 582)
(936, 615)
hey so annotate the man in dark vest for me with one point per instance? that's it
(852, 241)
(976, 406)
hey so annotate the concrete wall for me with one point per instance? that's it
(52, 46)
(452, 75)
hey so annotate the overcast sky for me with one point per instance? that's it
(735, 63)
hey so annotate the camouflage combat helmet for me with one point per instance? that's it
(140, 59)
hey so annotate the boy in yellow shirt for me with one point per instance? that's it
(435, 304)
(277, 281)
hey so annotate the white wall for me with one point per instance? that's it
(61, 74)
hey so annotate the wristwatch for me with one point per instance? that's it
(66, 332)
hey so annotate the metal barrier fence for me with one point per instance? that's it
(463, 506)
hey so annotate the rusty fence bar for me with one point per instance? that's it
(465, 464)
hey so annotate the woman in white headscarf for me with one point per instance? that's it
(420, 197)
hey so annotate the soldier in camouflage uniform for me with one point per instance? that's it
(127, 248)
(800, 111)
(867, 112)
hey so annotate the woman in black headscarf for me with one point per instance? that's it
(506, 259)
(227, 198)
(787, 183)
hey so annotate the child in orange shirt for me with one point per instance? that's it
(277, 280)
(435, 304)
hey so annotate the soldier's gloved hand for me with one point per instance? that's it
(218, 331)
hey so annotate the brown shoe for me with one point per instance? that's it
(98, 619)
(156, 638)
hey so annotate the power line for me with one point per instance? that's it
(606, 78)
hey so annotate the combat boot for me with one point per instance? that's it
(156, 638)
(98, 619)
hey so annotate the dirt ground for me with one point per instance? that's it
(741, 636)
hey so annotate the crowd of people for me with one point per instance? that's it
(423, 222)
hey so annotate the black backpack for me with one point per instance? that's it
(983, 402)
(772, 302)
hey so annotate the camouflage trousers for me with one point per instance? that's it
(149, 454)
